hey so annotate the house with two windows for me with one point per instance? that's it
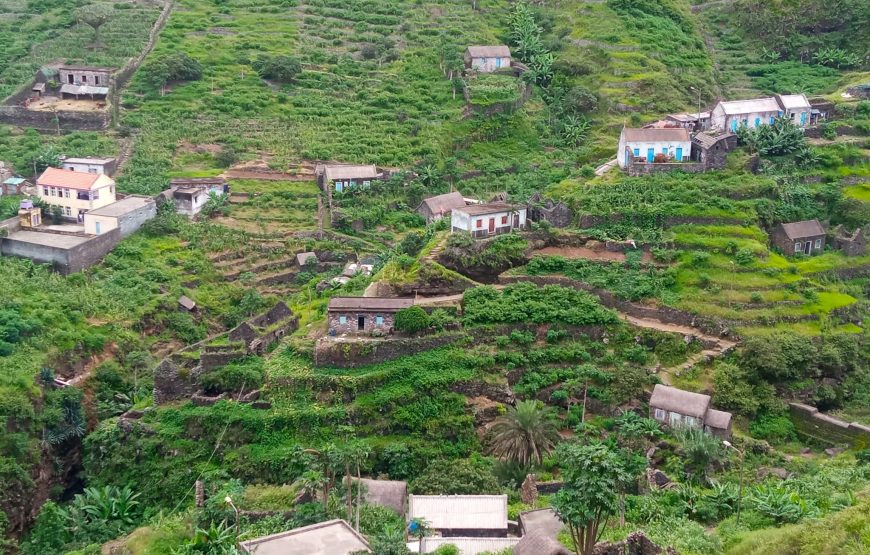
(74, 192)
(678, 408)
(363, 315)
(89, 165)
(674, 144)
(807, 237)
(487, 59)
(488, 219)
(343, 177)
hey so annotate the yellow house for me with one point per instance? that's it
(75, 192)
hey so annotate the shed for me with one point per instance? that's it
(186, 303)
(718, 422)
(487, 59)
(345, 176)
(435, 208)
(13, 185)
(462, 515)
(334, 537)
(363, 315)
(675, 400)
(806, 237)
(386, 493)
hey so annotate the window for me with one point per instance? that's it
(660, 414)
(366, 183)
(379, 320)
(797, 246)
(757, 122)
(504, 220)
(772, 119)
(97, 227)
(92, 170)
(479, 223)
(67, 211)
(66, 193)
(71, 79)
(96, 80)
(691, 421)
(45, 192)
(818, 243)
(342, 320)
(95, 195)
(84, 78)
(637, 152)
(665, 150)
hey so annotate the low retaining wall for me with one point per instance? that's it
(635, 169)
(593, 220)
(351, 353)
(52, 121)
(11, 225)
(827, 429)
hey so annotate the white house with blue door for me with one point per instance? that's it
(675, 143)
(795, 107)
(343, 177)
(487, 59)
(732, 114)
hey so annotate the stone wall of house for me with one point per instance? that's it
(276, 314)
(351, 353)
(351, 325)
(45, 121)
(557, 214)
(826, 429)
(130, 222)
(64, 261)
(635, 168)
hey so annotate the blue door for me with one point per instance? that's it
(637, 152)
(497, 63)
(97, 226)
(733, 125)
(757, 122)
(339, 186)
(679, 154)
(803, 118)
(772, 119)
(665, 150)
(650, 154)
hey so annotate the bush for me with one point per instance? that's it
(775, 428)
(456, 477)
(278, 68)
(177, 66)
(233, 377)
(412, 320)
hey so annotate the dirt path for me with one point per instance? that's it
(604, 168)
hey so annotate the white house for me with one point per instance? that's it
(729, 115)
(487, 59)
(491, 218)
(795, 107)
(673, 142)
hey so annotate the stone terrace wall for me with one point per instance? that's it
(645, 168)
(45, 121)
(351, 353)
(592, 220)
(11, 225)
(826, 429)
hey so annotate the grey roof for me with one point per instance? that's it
(442, 204)
(186, 302)
(303, 257)
(754, 105)
(799, 230)
(676, 400)
(656, 134)
(792, 101)
(88, 160)
(718, 419)
(46, 238)
(497, 51)
(334, 537)
(468, 512)
(350, 172)
(686, 117)
(87, 68)
(387, 493)
(488, 208)
(545, 521)
(83, 89)
(121, 207)
(538, 543)
(470, 546)
(707, 139)
(369, 303)
(197, 181)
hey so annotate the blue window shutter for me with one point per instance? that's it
(772, 119)
(757, 122)
(637, 152)
(665, 150)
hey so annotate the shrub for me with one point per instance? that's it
(412, 320)
(278, 68)
(775, 428)
(233, 377)
(177, 66)
(469, 476)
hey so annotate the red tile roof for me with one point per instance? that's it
(55, 177)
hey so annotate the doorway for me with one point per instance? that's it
(808, 248)
(492, 225)
(360, 323)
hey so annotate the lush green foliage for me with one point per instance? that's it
(525, 302)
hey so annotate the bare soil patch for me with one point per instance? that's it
(50, 104)
(587, 253)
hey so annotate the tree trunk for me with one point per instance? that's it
(349, 484)
(358, 494)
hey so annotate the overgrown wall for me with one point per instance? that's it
(351, 353)
(45, 121)
(826, 429)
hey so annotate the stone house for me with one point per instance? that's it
(462, 516)
(75, 192)
(79, 81)
(89, 165)
(732, 114)
(191, 194)
(678, 408)
(127, 214)
(435, 208)
(545, 210)
(340, 177)
(487, 59)
(711, 148)
(852, 244)
(363, 315)
(807, 237)
(674, 143)
(488, 219)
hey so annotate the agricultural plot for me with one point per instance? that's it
(36, 33)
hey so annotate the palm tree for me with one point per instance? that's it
(525, 434)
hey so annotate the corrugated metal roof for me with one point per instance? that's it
(654, 135)
(351, 172)
(303, 257)
(799, 230)
(540, 544)
(369, 303)
(707, 139)
(470, 546)
(676, 400)
(83, 89)
(751, 106)
(497, 51)
(468, 512)
(792, 101)
(14, 181)
(387, 493)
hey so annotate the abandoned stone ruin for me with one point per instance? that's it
(556, 214)
(178, 375)
(852, 244)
